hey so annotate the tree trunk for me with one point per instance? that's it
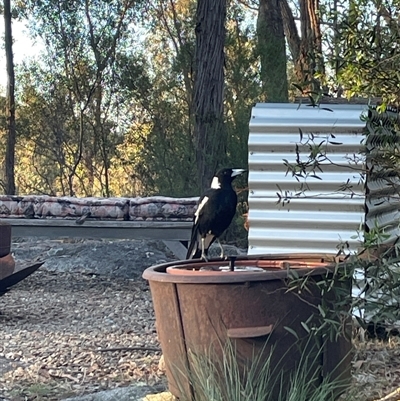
(209, 130)
(10, 103)
(290, 30)
(271, 48)
(306, 48)
(310, 60)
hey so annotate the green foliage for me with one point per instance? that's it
(242, 89)
(237, 234)
(107, 109)
(370, 55)
(71, 96)
(332, 318)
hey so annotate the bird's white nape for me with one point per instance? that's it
(237, 171)
(215, 184)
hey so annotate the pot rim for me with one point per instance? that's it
(325, 263)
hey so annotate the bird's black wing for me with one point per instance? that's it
(194, 249)
(218, 212)
(193, 240)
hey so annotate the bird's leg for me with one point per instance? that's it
(203, 253)
(222, 250)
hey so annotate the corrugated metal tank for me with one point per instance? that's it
(318, 213)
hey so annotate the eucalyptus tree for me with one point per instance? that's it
(242, 78)
(272, 51)
(297, 24)
(164, 127)
(163, 92)
(82, 42)
(208, 108)
(9, 184)
(304, 40)
(369, 37)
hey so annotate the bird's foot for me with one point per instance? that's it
(223, 256)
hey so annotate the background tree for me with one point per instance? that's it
(160, 86)
(9, 185)
(306, 46)
(81, 43)
(111, 106)
(209, 133)
(242, 79)
(369, 33)
(271, 48)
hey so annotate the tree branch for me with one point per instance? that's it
(290, 29)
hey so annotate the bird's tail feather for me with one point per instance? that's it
(194, 244)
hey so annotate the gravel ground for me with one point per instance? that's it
(376, 371)
(84, 322)
(66, 333)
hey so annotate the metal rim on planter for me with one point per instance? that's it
(277, 266)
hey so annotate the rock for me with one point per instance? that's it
(136, 392)
(125, 259)
(115, 259)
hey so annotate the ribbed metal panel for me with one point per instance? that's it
(328, 211)
(382, 205)
(317, 220)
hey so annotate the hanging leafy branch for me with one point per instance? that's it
(312, 153)
(375, 267)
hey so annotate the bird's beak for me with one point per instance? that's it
(237, 171)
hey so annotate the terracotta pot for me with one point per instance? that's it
(5, 239)
(197, 309)
(7, 266)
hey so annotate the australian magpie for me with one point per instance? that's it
(215, 211)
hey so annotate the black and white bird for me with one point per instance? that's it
(214, 213)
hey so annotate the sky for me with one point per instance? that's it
(23, 48)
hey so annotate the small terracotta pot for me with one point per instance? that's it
(5, 239)
(215, 268)
(7, 266)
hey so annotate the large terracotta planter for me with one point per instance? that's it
(197, 307)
